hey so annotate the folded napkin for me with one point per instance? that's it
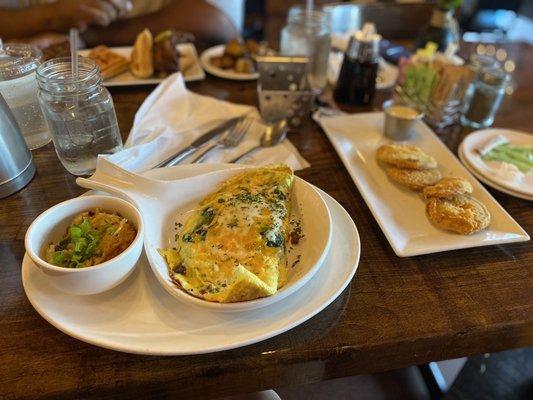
(172, 117)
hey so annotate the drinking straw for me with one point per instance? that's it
(74, 38)
(308, 13)
(309, 7)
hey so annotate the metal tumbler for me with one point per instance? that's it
(16, 162)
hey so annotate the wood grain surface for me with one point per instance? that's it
(395, 312)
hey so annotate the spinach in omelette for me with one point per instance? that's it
(232, 248)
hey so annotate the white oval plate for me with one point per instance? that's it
(488, 182)
(216, 51)
(479, 138)
(139, 316)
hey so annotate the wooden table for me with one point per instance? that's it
(396, 312)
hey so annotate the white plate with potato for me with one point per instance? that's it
(189, 65)
(227, 73)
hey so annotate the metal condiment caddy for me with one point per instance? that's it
(283, 89)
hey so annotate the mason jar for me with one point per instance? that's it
(80, 113)
(18, 86)
(308, 33)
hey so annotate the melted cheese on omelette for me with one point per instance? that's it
(232, 248)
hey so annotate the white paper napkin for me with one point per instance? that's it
(171, 117)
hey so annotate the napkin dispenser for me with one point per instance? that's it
(16, 162)
(283, 89)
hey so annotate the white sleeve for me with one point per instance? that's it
(234, 9)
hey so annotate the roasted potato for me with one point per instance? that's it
(227, 62)
(235, 48)
(253, 46)
(244, 65)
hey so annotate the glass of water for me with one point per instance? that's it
(80, 113)
(18, 86)
(308, 33)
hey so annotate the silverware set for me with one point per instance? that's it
(227, 135)
(228, 140)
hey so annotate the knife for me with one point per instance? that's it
(206, 137)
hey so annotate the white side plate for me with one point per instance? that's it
(477, 139)
(216, 51)
(139, 316)
(487, 181)
(193, 73)
(400, 212)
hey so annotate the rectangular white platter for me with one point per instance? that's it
(400, 212)
(194, 73)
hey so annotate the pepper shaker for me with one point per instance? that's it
(483, 97)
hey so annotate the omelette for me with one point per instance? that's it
(232, 246)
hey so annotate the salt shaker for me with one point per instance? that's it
(357, 78)
(483, 97)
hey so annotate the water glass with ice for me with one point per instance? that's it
(80, 113)
(308, 33)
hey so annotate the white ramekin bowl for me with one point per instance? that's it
(52, 224)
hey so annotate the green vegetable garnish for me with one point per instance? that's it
(80, 244)
(75, 232)
(93, 238)
(58, 258)
(521, 156)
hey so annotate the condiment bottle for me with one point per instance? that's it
(357, 78)
(483, 97)
(442, 29)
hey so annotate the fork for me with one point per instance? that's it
(229, 140)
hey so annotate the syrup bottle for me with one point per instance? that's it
(357, 79)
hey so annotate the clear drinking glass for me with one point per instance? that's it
(80, 113)
(18, 86)
(483, 98)
(308, 33)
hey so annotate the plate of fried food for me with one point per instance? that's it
(234, 60)
(150, 60)
(420, 194)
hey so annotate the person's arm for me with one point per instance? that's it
(14, 23)
(206, 22)
(59, 16)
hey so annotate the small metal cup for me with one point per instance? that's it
(398, 128)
